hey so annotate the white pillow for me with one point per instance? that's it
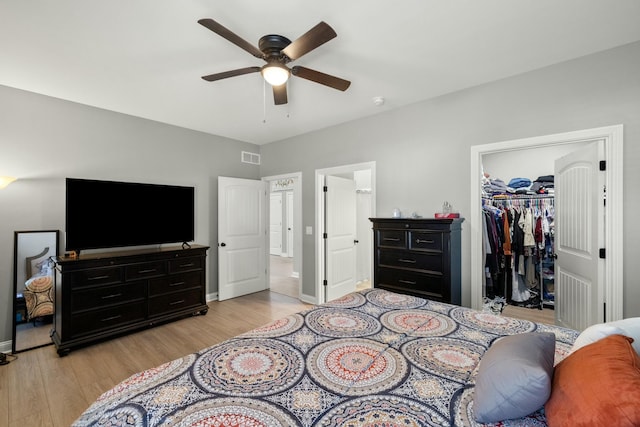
(631, 328)
(628, 327)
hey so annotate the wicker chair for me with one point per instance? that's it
(38, 293)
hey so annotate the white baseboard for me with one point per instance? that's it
(309, 299)
(5, 346)
(212, 297)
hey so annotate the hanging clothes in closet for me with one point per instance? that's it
(516, 240)
(492, 248)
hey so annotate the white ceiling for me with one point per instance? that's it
(145, 57)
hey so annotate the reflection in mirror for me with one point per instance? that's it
(33, 272)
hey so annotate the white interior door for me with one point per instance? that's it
(340, 218)
(275, 224)
(579, 235)
(242, 239)
(289, 221)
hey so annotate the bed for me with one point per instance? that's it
(371, 358)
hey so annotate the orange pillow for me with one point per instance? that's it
(597, 385)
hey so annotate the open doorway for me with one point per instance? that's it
(525, 289)
(285, 234)
(355, 245)
(612, 137)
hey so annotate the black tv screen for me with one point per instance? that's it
(109, 214)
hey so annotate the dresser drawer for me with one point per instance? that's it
(392, 238)
(167, 303)
(425, 241)
(145, 270)
(93, 277)
(176, 282)
(412, 260)
(185, 264)
(425, 285)
(107, 318)
(106, 296)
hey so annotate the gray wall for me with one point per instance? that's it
(44, 139)
(422, 152)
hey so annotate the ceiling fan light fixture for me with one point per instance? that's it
(275, 74)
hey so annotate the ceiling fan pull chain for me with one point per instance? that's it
(264, 101)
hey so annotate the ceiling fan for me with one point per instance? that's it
(278, 51)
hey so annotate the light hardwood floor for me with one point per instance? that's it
(546, 315)
(42, 389)
(282, 280)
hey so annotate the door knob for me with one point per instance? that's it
(356, 242)
(223, 244)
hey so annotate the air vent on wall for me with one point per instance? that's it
(252, 158)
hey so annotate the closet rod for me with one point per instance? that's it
(540, 200)
(519, 197)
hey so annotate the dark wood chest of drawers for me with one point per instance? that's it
(102, 295)
(420, 257)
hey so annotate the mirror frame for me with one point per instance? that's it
(50, 235)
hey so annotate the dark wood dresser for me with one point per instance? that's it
(420, 257)
(102, 295)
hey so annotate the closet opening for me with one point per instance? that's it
(533, 159)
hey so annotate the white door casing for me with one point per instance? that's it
(613, 221)
(579, 271)
(242, 238)
(340, 217)
(289, 223)
(275, 223)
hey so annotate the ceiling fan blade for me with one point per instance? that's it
(232, 73)
(231, 36)
(318, 35)
(322, 78)
(280, 94)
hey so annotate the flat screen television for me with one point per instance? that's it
(109, 214)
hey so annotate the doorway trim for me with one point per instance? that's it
(319, 184)
(613, 139)
(297, 225)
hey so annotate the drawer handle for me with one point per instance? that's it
(176, 302)
(407, 282)
(151, 270)
(187, 265)
(418, 241)
(176, 284)
(107, 319)
(111, 296)
(408, 261)
(98, 277)
(391, 239)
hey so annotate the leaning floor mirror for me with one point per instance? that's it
(33, 288)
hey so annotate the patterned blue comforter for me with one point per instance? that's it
(371, 358)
